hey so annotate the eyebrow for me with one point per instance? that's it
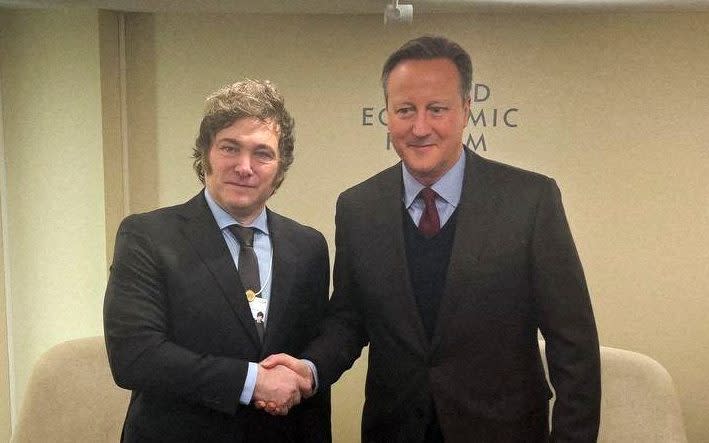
(229, 140)
(238, 143)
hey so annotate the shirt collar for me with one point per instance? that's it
(224, 219)
(448, 187)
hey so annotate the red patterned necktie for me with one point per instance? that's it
(430, 224)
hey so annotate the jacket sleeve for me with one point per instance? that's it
(314, 414)
(342, 334)
(142, 354)
(566, 320)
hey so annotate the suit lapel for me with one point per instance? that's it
(473, 220)
(282, 275)
(202, 231)
(387, 229)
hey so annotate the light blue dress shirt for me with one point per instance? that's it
(448, 188)
(264, 255)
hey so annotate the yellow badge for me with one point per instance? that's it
(250, 295)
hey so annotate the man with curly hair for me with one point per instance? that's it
(199, 293)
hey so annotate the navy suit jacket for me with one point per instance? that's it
(513, 270)
(180, 334)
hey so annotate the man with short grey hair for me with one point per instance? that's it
(448, 264)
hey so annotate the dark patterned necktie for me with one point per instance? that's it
(248, 267)
(248, 264)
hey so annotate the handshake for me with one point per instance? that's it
(282, 382)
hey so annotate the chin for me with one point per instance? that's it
(243, 205)
(421, 170)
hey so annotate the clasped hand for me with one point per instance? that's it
(282, 382)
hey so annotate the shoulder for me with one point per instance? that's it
(505, 172)
(502, 178)
(162, 220)
(384, 184)
(293, 229)
(294, 239)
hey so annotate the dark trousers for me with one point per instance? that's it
(534, 428)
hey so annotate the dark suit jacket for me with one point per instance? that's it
(180, 334)
(513, 269)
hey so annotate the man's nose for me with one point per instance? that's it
(244, 164)
(421, 127)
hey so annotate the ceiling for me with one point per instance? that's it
(366, 6)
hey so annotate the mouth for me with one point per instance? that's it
(421, 145)
(240, 185)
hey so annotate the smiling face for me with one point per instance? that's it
(244, 161)
(426, 116)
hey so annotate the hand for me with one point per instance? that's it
(278, 388)
(305, 379)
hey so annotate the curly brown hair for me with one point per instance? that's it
(245, 99)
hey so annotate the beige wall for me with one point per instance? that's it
(52, 136)
(5, 418)
(613, 106)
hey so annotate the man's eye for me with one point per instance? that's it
(404, 111)
(228, 149)
(437, 109)
(264, 155)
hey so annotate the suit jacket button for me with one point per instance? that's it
(418, 412)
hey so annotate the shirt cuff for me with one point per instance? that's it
(249, 384)
(314, 371)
